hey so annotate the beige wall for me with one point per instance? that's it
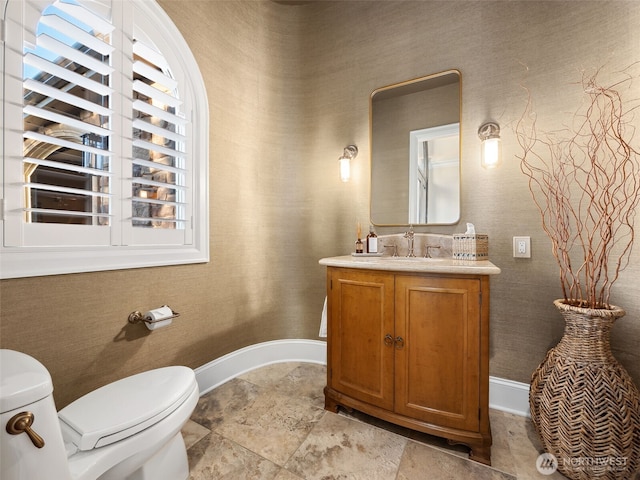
(288, 89)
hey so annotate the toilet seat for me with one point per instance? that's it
(125, 407)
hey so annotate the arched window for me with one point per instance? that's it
(105, 127)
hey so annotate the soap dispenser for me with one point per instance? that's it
(372, 241)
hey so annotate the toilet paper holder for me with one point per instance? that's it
(139, 317)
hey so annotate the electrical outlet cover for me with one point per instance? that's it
(522, 247)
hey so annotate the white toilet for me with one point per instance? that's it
(127, 430)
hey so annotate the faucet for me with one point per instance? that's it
(409, 236)
(427, 250)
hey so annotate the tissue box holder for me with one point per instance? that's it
(470, 246)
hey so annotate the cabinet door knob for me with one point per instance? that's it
(388, 340)
(399, 343)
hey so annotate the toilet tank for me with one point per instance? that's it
(25, 386)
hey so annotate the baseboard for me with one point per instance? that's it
(509, 396)
(505, 395)
(236, 363)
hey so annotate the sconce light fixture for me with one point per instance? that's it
(491, 154)
(350, 152)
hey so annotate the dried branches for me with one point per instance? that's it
(585, 181)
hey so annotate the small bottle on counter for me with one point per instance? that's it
(372, 241)
(359, 244)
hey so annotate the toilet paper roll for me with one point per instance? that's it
(158, 315)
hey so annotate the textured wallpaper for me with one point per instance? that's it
(288, 88)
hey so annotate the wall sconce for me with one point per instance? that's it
(491, 153)
(350, 152)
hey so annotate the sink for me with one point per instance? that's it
(415, 259)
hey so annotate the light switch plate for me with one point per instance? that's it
(521, 247)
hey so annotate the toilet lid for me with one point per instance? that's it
(125, 407)
(23, 380)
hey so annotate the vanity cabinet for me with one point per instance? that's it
(412, 349)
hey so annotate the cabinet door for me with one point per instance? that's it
(360, 316)
(438, 361)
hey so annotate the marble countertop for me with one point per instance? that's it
(415, 264)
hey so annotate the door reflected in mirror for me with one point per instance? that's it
(434, 175)
(415, 151)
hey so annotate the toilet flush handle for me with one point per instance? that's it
(21, 422)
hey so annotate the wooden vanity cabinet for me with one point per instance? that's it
(412, 349)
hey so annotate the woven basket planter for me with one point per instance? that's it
(584, 405)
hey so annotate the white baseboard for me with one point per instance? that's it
(509, 396)
(505, 395)
(236, 363)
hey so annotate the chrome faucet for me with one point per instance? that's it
(427, 250)
(409, 236)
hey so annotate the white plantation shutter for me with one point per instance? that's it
(159, 158)
(102, 158)
(67, 137)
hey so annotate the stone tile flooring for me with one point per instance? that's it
(271, 424)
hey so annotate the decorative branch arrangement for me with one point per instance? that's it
(585, 181)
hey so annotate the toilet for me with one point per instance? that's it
(127, 430)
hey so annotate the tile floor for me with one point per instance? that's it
(271, 424)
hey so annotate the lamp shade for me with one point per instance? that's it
(491, 149)
(350, 152)
(345, 168)
(491, 154)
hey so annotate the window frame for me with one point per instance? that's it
(26, 260)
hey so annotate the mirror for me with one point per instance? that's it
(415, 151)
